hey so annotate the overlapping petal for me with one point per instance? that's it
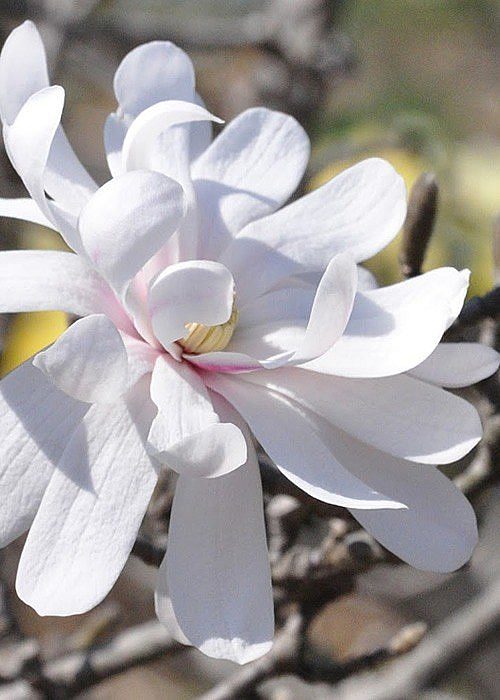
(249, 171)
(89, 361)
(360, 210)
(395, 328)
(454, 365)
(37, 421)
(217, 553)
(197, 291)
(24, 208)
(92, 509)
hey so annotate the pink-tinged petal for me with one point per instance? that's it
(249, 171)
(359, 211)
(89, 361)
(127, 221)
(198, 291)
(37, 422)
(186, 433)
(91, 511)
(454, 365)
(395, 328)
(214, 586)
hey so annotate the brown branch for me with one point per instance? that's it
(419, 224)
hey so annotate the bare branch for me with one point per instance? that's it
(419, 224)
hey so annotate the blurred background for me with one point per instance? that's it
(415, 82)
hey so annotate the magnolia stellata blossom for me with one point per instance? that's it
(212, 312)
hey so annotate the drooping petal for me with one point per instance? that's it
(37, 422)
(151, 73)
(140, 141)
(305, 459)
(23, 69)
(399, 415)
(186, 433)
(23, 72)
(25, 209)
(88, 362)
(216, 576)
(91, 511)
(454, 365)
(127, 221)
(395, 328)
(360, 211)
(198, 291)
(46, 280)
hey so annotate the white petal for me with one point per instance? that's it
(216, 575)
(127, 221)
(393, 329)
(37, 421)
(140, 141)
(198, 291)
(39, 280)
(91, 511)
(287, 304)
(225, 362)
(438, 530)
(23, 69)
(454, 365)
(399, 415)
(24, 208)
(152, 73)
(88, 361)
(330, 310)
(249, 171)
(294, 439)
(186, 433)
(115, 130)
(360, 211)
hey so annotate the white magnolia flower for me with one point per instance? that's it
(207, 308)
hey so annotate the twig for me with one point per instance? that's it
(454, 638)
(419, 224)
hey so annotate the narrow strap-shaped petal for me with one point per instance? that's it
(215, 579)
(127, 221)
(454, 365)
(249, 171)
(395, 328)
(198, 291)
(37, 421)
(360, 211)
(47, 280)
(306, 460)
(25, 209)
(399, 415)
(91, 511)
(186, 433)
(23, 69)
(139, 144)
(88, 362)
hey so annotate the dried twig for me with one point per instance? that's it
(419, 224)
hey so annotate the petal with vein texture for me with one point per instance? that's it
(88, 362)
(399, 415)
(37, 422)
(393, 329)
(360, 211)
(127, 221)
(216, 576)
(305, 459)
(249, 170)
(454, 365)
(197, 291)
(91, 511)
(47, 280)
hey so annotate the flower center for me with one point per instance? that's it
(200, 338)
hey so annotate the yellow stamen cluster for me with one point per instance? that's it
(200, 338)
